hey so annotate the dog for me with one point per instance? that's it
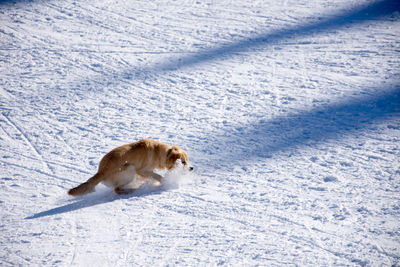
(120, 166)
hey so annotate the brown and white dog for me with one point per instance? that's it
(120, 166)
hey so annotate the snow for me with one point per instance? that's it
(289, 111)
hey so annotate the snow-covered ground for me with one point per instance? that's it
(289, 110)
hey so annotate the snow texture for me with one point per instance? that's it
(289, 111)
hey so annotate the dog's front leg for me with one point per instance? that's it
(150, 174)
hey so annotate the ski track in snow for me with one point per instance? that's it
(289, 111)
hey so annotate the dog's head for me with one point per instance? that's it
(176, 153)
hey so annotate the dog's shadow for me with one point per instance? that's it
(97, 198)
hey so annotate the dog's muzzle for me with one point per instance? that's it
(191, 168)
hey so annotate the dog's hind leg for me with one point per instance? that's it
(86, 187)
(125, 178)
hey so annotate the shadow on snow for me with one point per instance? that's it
(333, 22)
(266, 137)
(13, 2)
(96, 198)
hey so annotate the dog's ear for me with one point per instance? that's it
(169, 152)
(172, 156)
(172, 150)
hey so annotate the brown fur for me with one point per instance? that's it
(118, 167)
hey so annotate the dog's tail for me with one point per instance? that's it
(87, 186)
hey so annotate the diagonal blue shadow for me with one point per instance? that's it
(358, 15)
(308, 128)
(94, 200)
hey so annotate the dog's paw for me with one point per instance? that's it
(157, 183)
